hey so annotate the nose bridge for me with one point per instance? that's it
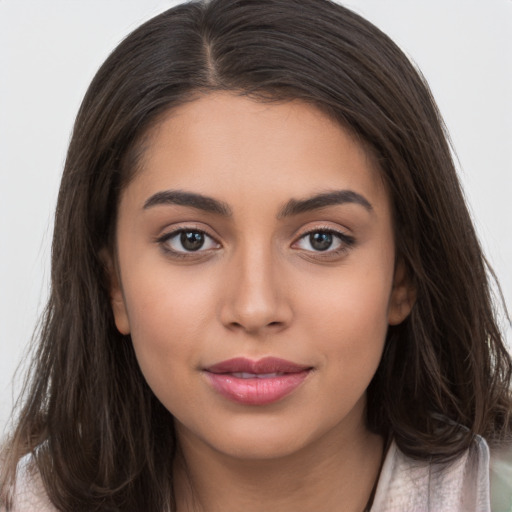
(256, 298)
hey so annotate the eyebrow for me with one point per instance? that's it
(291, 208)
(190, 199)
(336, 197)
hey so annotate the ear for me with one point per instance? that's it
(403, 295)
(116, 293)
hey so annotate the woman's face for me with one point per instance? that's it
(256, 274)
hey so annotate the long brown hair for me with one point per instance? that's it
(99, 437)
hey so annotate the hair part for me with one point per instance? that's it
(100, 438)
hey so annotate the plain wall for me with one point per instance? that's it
(50, 50)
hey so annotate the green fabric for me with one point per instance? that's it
(501, 479)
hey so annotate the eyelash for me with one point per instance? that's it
(345, 241)
(163, 242)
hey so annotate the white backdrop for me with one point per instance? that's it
(50, 50)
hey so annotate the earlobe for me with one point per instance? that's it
(116, 294)
(403, 296)
(120, 313)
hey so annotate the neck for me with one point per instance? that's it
(337, 472)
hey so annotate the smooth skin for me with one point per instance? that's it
(246, 273)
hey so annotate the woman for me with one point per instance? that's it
(266, 288)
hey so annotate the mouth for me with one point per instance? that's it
(261, 382)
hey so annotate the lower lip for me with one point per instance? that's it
(256, 391)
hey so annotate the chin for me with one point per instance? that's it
(262, 448)
(251, 438)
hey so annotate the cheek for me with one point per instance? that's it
(168, 323)
(351, 300)
(348, 319)
(161, 300)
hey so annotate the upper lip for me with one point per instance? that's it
(261, 366)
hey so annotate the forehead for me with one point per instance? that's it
(233, 146)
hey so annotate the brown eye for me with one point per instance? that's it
(185, 241)
(326, 241)
(321, 240)
(192, 240)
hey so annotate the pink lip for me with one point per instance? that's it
(256, 390)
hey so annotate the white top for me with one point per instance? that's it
(409, 485)
(405, 485)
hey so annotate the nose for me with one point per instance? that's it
(255, 294)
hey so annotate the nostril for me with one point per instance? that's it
(253, 328)
(252, 311)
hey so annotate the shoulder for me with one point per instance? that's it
(29, 493)
(467, 484)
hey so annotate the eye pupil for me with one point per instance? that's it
(321, 240)
(192, 240)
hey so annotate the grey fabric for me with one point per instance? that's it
(408, 485)
(405, 485)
